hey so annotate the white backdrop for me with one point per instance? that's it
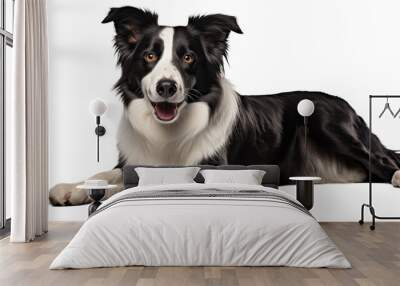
(346, 48)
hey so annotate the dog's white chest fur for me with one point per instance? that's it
(192, 138)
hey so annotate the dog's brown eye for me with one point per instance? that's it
(188, 58)
(150, 57)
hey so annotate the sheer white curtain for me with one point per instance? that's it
(27, 121)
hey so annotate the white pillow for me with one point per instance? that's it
(248, 177)
(163, 176)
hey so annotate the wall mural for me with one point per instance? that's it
(179, 109)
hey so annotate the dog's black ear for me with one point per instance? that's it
(214, 30)
(130, 22)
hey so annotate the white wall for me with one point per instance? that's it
(347, 48)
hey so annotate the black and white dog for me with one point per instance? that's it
(181, 110)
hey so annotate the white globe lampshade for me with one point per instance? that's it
(305, 107)
(97, 107)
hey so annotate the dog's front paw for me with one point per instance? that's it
(60, 194)
(67, 194)
(396, 179)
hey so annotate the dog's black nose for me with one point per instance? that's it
(166, 88)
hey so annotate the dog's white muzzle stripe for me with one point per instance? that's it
(164, 69)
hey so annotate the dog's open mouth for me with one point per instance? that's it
(166, 111)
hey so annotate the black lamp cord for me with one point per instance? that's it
(305, 138)
(98, 138)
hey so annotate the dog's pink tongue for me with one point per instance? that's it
(165, 111)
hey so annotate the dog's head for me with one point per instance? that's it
(169, 67)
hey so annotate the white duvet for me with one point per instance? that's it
(200, 231)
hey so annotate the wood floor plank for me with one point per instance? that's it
(375, 257)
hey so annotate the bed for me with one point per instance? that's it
(199, 224)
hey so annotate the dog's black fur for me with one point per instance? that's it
(269, 129)
(335, 132)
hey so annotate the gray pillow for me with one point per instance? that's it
(163, 176)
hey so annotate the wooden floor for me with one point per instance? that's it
(375, 257)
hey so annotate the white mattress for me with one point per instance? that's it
(200, 231)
